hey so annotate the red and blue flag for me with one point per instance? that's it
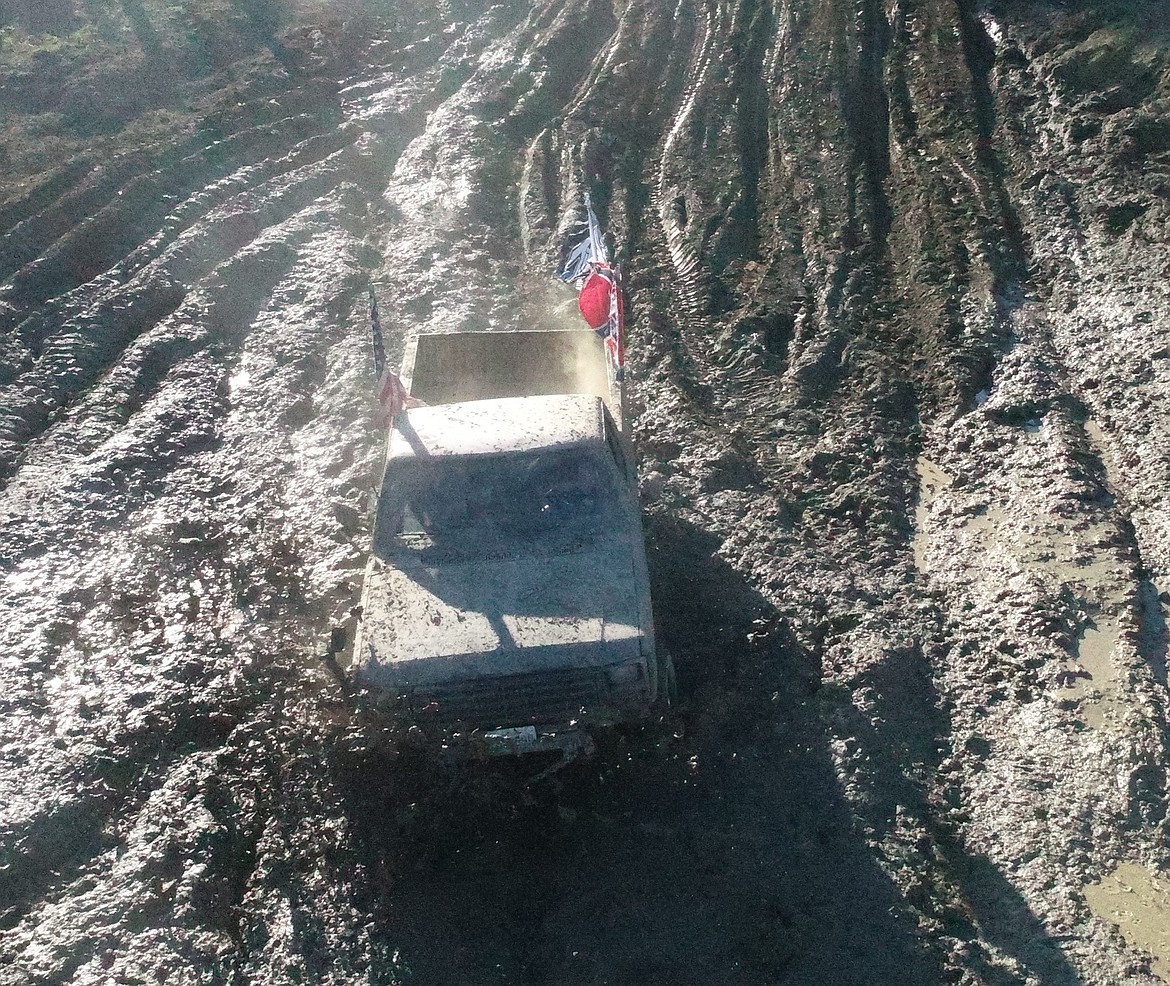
(585, 262)
(390, 391)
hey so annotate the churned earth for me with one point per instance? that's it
(899, 304)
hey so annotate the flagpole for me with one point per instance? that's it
(377, 345)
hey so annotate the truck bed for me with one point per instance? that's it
(443, 368)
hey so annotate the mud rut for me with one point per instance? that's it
(900, 366)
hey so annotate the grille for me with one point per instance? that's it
(508, 700)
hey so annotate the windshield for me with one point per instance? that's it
(488, 505)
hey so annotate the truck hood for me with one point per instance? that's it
(424, 625)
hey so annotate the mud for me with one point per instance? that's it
(900, 367)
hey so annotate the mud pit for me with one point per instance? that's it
(900, 373)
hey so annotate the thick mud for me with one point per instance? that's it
(899, 294)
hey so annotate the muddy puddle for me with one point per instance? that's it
(931, 481)
(1137, 902)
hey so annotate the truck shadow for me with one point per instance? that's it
(712, 844)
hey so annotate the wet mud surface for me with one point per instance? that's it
(899, 294)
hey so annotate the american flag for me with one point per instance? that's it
(391, 391)
(392, 397)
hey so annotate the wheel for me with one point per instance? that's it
(667, 680)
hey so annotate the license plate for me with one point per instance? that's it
(515, 739)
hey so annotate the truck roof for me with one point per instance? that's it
(509, 424)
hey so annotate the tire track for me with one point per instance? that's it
(685, 258)
(88, 233)
(95, 331)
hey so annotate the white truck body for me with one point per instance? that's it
(506, 601)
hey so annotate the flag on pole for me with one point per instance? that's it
(392, 398)
(390, 390)
(585, 262)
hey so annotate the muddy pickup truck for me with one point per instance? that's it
(506, 606)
